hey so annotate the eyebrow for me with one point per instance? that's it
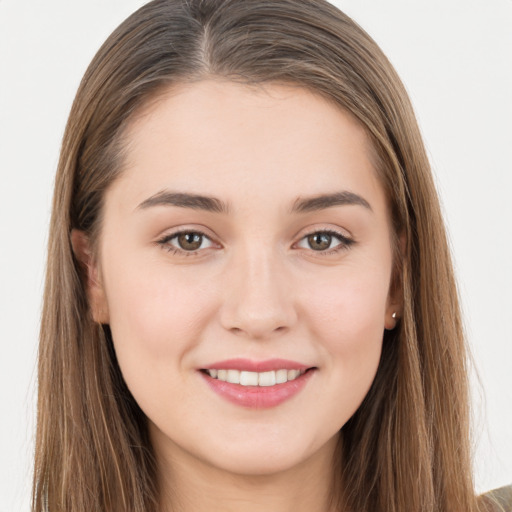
(185, 200)
(323, 201)
(215, 205)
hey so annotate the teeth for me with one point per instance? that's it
(267, 378)
(281, 376)
(248, 378)
(293, 374)
(264, 379)
(233, 377)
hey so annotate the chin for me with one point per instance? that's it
(258, 464)
(270, 458)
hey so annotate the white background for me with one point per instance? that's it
(455, 57)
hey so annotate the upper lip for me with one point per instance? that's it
(256, 366)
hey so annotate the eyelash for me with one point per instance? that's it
(345, 242)
(164, 242)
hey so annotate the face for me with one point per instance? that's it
(244, 268)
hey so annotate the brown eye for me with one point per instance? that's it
(189, 241)
(319, 241)
(325, 242)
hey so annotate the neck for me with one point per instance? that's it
(191, 485)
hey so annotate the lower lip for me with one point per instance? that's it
(258, 397)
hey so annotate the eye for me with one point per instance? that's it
(321, 241)
(186, 241)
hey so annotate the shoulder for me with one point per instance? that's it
(501, 497)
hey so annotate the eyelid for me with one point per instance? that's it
(345, 240)
(163, 240)
(186, 228)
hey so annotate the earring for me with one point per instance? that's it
(391, 324)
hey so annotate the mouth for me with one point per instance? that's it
(257, 385)
(261, 379)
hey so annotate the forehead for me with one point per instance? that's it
(218, 138)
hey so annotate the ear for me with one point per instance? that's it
(392, 317)
(394, 306)
(95, 290)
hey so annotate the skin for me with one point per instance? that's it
(254, 289)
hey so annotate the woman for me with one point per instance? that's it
(249, 302)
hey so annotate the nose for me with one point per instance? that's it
(258, 301)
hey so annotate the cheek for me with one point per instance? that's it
(156, 314)
(347, 306)
(347, 315)
(157, 320)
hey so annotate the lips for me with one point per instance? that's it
(256, 366)
(257, 384)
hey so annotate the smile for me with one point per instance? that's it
(257, 385)
(265, 379)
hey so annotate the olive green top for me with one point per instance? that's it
(501, 496)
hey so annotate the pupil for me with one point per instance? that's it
(190, 241)
(319, 241)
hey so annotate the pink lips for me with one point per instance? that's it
(257, 397)
(256, 366)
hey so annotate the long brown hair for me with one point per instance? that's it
(407, 447)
